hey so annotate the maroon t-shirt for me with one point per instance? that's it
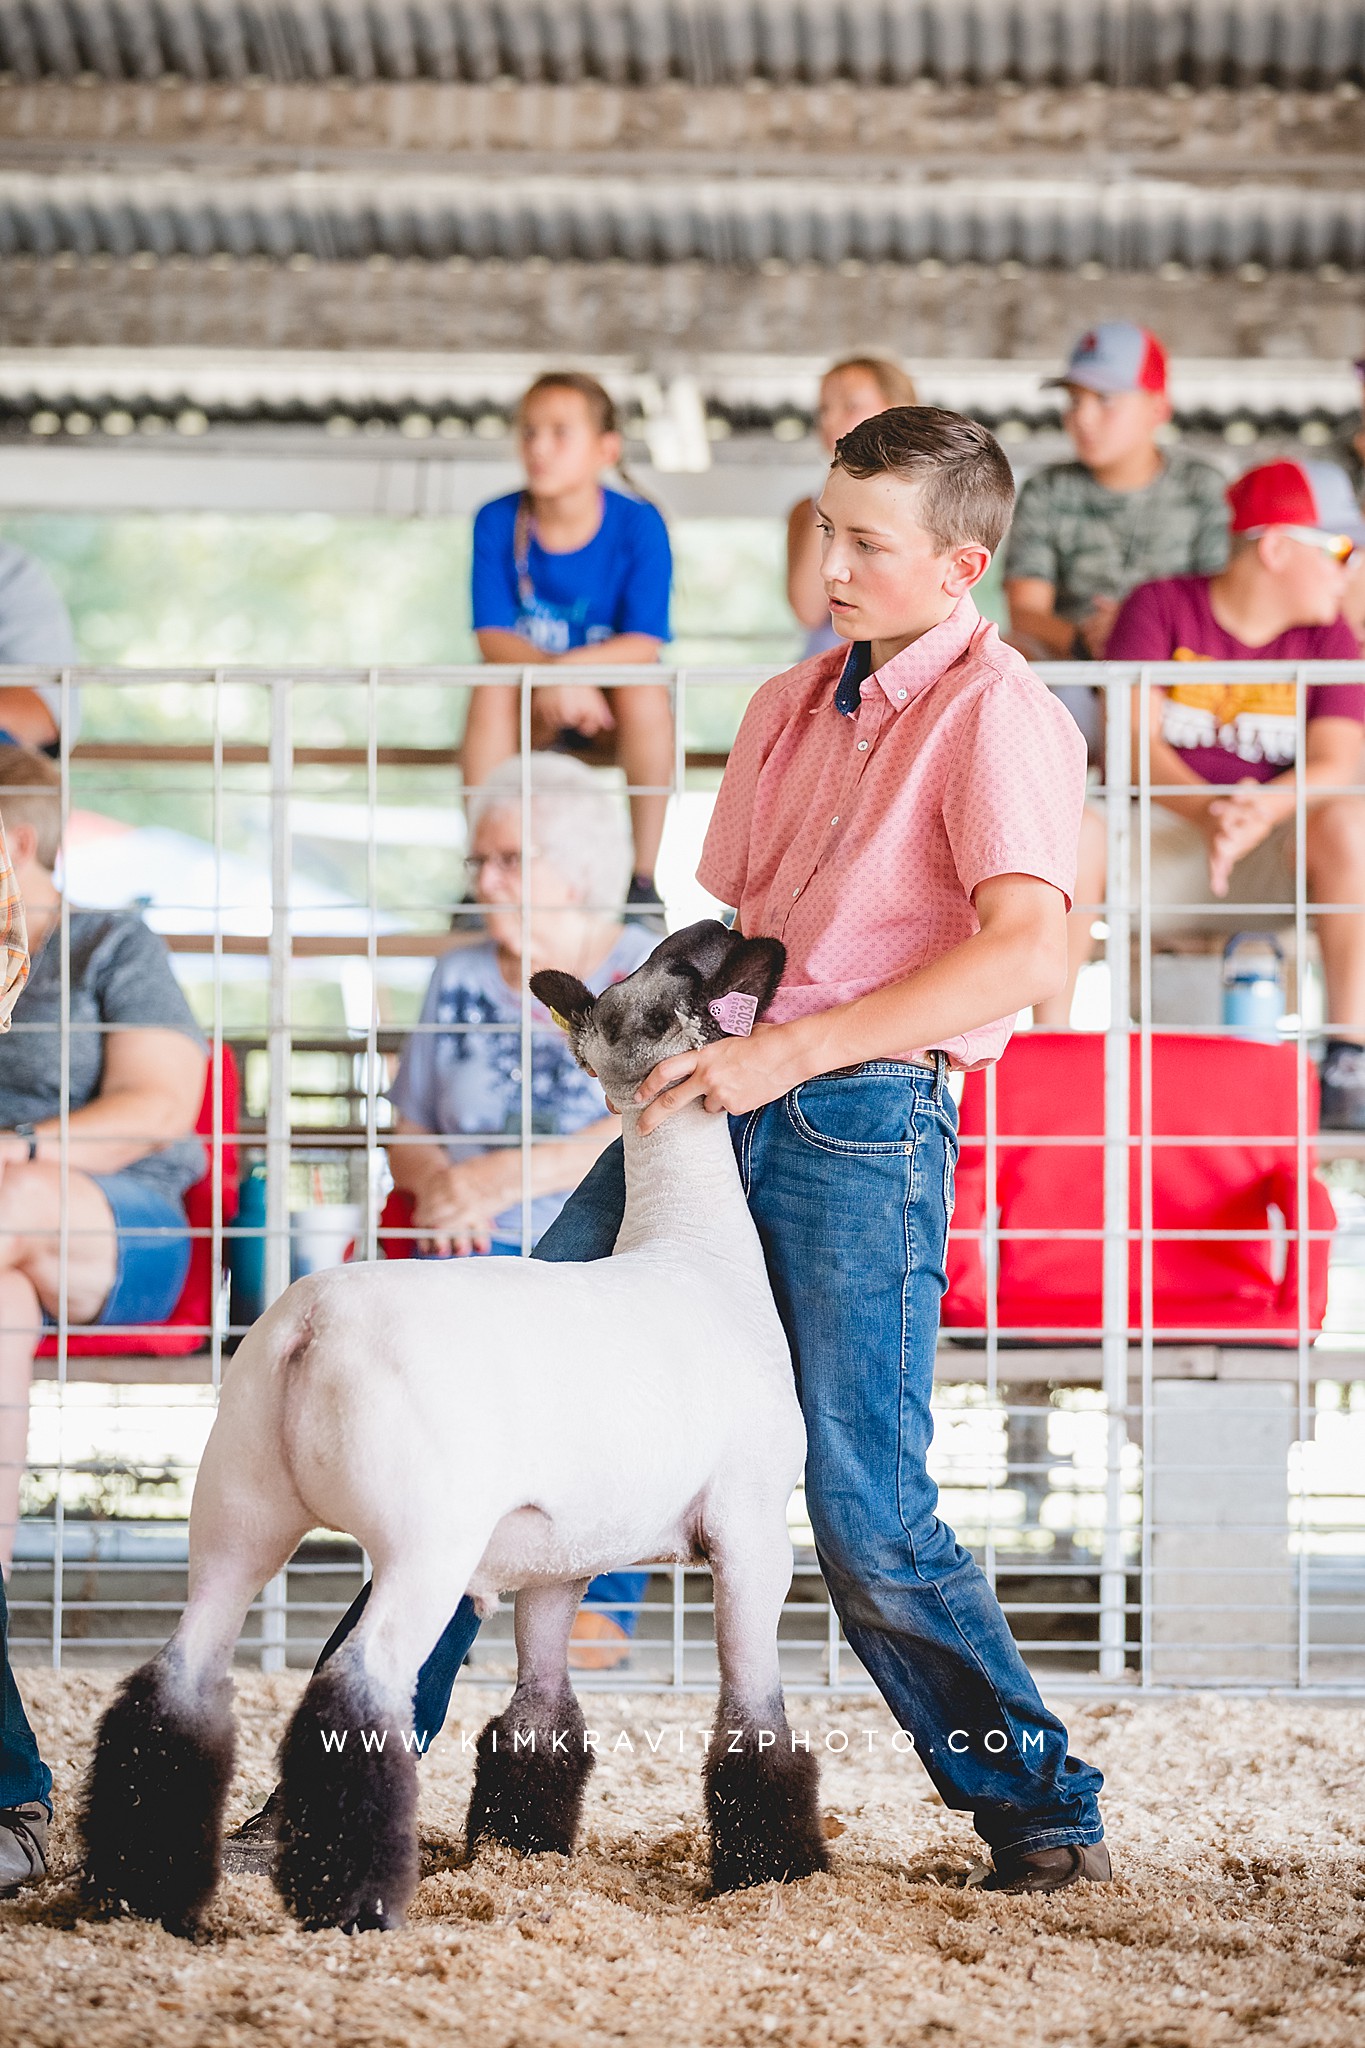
(1228, 731)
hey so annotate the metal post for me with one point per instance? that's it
(1114, 1339)
(274, 1600)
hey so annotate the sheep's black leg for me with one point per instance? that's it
(532, 1767)
(762, 1803)
(762, 1789)
(348, 1793)
(533, 1761)
(152, 1816)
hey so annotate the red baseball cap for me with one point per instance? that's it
(1115, 356)
(1276, 494)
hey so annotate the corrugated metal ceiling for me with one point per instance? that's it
(1129, 225)
(1124, 42)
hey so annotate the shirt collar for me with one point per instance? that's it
(912, 670)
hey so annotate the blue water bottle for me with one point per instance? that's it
(1253, 984)
(246, 1254)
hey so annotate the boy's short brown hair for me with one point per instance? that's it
(966, 487)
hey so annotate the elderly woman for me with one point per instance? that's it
(459, 1087)
(135, 1065)
(458, 1094)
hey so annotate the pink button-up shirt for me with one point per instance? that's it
(859, 840)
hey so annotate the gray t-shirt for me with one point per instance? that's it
(35, 631)
(120, 978)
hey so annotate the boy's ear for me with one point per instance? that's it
(566, 998)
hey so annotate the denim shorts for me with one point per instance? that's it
(153, 1251)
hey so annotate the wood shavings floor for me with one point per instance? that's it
(1237, 1827)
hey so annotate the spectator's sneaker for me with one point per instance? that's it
(249, 1851)
(644, 904)
(1342, 1077)
(1044, 1870)
(597, 1643)
(23, 1846)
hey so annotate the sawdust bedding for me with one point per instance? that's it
(1238, 1830)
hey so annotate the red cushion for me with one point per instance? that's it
(1232, 1090)
(185, 1328)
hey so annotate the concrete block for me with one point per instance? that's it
(1223, 1579)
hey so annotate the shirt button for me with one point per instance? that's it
(900, 693)
(862, 746)
(835, 819)
(795, 894)
(515, 1074)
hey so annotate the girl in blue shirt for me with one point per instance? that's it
(568, 572)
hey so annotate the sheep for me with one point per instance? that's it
(492, 1426)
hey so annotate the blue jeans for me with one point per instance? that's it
(23, 1774)
(849, 1180)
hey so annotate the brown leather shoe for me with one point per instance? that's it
(1050, 1870)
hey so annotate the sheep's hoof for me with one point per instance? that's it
(528, 1782)
(153, 1811)
(348, 1819)
(762, 1805)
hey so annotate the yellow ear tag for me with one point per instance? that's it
(562, 1022)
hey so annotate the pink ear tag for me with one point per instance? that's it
(735, 1013)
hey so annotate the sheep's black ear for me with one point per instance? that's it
(752, 967)
(564, 996)
(724, 962)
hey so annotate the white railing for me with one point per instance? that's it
(1271, 1598)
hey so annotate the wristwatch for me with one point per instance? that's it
(27, 1131)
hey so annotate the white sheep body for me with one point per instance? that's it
(583, 1415)
(482, 1427)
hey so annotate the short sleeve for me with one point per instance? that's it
(1015, 789)
(649, 577)
(724, 862)
(493, 574)
(1142, 629)
(1031, 549)
(134, 985)
(1209, 548)
(1336, 700)
(413, 1093)
(35, 629)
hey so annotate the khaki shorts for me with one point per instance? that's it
(1180, 875)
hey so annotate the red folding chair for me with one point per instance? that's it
(1236, 1093)
(186, 1328)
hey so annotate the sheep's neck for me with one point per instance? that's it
(682, 1185)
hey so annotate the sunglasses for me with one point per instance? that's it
(1339, 546)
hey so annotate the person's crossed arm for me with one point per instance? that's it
(1016, 959)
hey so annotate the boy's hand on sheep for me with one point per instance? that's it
(731, 1076)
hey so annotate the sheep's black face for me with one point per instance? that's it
(664, 1007)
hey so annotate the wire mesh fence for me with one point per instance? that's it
(1150, 1402)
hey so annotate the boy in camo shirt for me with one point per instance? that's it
(1126, 512)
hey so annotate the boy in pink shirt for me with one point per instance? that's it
(904, 817)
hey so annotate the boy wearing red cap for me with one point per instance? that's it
(1294, 528)
(1087, 532)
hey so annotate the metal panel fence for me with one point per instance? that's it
(1159, 1501)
